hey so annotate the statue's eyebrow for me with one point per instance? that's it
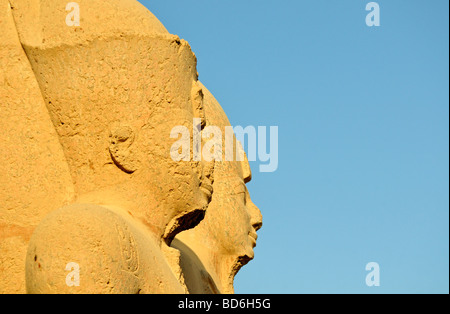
(231, 178)
(239, 184)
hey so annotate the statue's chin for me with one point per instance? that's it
(250, 254)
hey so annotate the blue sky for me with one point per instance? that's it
(363, 121)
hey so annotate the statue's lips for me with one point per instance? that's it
(253, 235)
(207, 187)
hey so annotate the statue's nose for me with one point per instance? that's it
(255, 215)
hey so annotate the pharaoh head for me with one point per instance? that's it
(114, 89)
(215, 250)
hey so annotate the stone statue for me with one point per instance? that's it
(89, 180)
(213, 252)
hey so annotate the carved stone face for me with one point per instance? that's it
(114, 102)
(232, 219)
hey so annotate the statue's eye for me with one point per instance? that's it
(240, 190)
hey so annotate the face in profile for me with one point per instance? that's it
(232, 219)
(213, 252)
(181, 189)
(114, 102)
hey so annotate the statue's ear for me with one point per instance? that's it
(121, 141)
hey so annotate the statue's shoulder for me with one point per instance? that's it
(82, 223)
(93, 238)
(112, 255)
